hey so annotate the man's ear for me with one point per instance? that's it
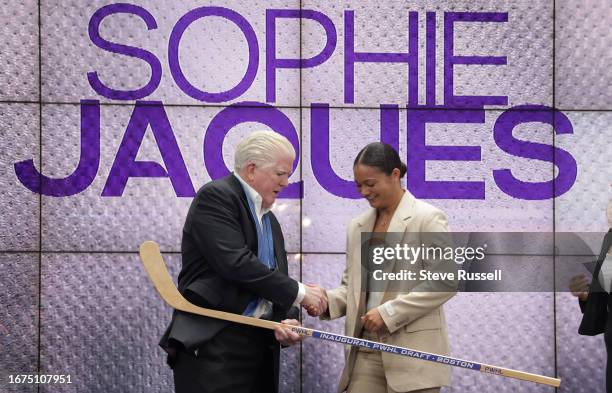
(250, 171)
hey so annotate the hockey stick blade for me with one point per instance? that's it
(155, 267)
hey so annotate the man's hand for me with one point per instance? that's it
(579, 286)
(285, 336)
(372, 321)
(315, 301)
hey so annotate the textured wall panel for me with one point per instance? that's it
(580, 359)
(526, 41)
(519, 273)
(102, 320)
(583, 207)
(583, 59)
(213, 52)
(351, 129)
(149, 207)
(324, 213)
(322, 361)
(18, 319)
(514, 330)
(19, 50)
(19, 141)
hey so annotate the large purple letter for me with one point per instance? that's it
(245, 112)
(430, 56)
(125, 166)
(273, 63)
(175, 66)
(94, 35)
(419, 153)
(450, 99)
(350, 57)
(319, 136)
(86, 169)
(564, 161)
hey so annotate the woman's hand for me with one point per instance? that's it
(372, 321)
(579, 286)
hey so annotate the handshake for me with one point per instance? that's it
(315, 300)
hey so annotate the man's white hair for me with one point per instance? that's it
(263, 148)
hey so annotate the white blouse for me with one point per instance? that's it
(605, 274)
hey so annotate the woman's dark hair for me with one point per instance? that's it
(381, 156)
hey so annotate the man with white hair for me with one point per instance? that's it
(234, 260)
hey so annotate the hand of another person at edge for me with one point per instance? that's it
(579, 286)
(372, 321)
(285, 336)
(315, 301)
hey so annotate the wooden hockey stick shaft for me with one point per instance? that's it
(153, 262)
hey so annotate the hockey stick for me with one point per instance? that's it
(158, 273)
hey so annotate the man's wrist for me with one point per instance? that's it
(300, 295)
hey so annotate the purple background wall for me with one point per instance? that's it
(74, 299)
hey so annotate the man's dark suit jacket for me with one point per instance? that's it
(597, 319)
(220, 269)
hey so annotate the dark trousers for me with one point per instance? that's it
(239, 359)
(608, 340)
(609, 363)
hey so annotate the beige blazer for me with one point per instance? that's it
(413, 319)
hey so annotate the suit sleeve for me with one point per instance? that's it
(293, 313)
(216, 229)
(428, 295)
(605, 247)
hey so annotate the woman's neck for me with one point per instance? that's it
(388, 211)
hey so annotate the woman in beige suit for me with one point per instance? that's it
(401, 315)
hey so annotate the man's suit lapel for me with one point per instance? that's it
(235, 185)
(602, 256)
(279, 252)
